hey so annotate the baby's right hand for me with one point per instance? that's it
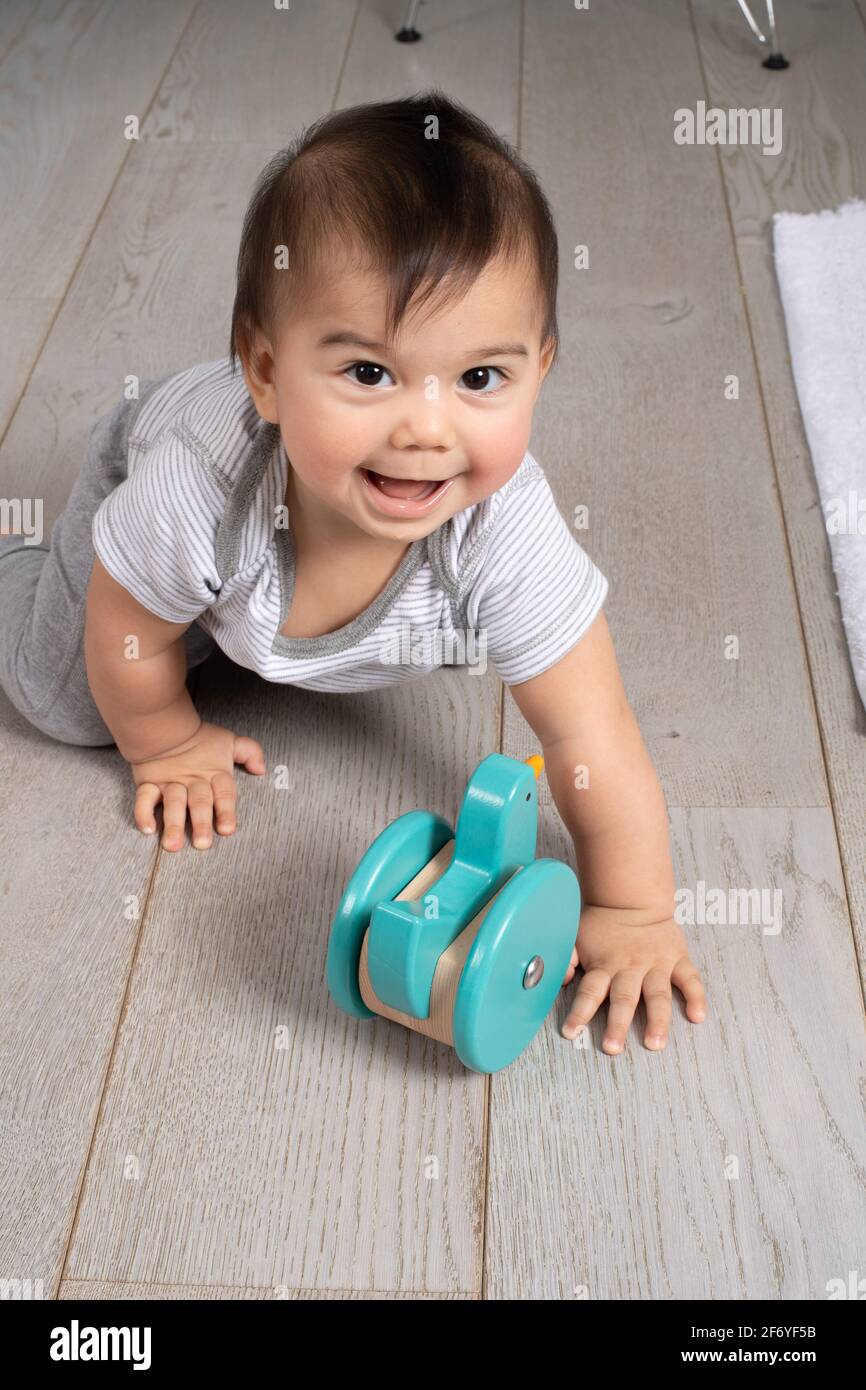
(198, 773)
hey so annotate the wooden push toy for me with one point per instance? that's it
(464, 936)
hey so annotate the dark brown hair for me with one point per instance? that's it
(426, 213)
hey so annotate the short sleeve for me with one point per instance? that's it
(537, 592)
(155, 532)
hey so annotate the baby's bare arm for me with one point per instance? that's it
(136, 669)
(615, 812)
(607, 791)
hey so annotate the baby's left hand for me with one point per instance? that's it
(623, 955)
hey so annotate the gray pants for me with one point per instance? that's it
(43, 595)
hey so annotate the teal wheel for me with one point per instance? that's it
(498, 1010)
(393, 859)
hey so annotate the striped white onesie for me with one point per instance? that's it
(195, 531)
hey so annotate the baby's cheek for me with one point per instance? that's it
(493, 472)
(500, 448)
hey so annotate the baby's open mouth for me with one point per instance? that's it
(414, 488)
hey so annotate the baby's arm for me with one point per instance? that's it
(141, 694)
(616, 813)
(608, 794)
(136, 669)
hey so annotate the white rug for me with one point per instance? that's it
(821, 268)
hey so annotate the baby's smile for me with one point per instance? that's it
(401, 496)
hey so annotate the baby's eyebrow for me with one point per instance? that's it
(501, 350)
(347, 339)
(344, 338)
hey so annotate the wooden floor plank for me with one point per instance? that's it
(26, 324)
(73, 885)
(68, 80)
(822, 97)
(83, 1289)
(172, 274)
(278, 63)
(15, 16)
(468, 49)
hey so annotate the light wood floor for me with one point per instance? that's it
(156, 1140)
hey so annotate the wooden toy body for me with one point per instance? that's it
(449, 967)
(437, 929)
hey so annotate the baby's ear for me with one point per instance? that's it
(547, 352)
(258, 368)
(544, 363)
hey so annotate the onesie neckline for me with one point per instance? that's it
(326, 643)
(268, 443)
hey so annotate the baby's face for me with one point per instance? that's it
(369, 428)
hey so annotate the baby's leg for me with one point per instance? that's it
(43, 596)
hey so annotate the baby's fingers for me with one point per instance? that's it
(173, 815)
(657, 997)
(147, 797)
(250, 753)
(686, 978)
(224, 802)
(591, 992)
(624, 996)
(200, 798)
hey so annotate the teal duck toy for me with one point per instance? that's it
(463, 936)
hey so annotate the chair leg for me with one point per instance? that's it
(774, 59)
(407, 33)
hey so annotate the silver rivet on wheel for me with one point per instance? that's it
(533, 972)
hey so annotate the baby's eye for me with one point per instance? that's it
(370, 368)
(477, 385)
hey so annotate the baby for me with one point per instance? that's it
(363, 480)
